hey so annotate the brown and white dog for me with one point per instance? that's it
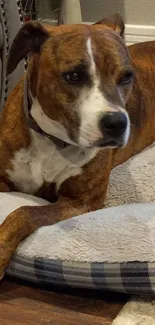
(63, 126)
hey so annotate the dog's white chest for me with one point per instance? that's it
(44, 162)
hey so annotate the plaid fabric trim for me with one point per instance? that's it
(131, 277)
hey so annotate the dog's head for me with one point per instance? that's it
(80, 78)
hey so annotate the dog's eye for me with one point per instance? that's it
(126, 78)
(72, 77)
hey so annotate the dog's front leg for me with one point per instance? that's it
(25, 220)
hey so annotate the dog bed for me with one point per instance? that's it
(112, 248)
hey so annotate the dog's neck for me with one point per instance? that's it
(27, 104)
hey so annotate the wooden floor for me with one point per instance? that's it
(27, 305)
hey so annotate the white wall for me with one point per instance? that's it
(139, 15)
(139, 12)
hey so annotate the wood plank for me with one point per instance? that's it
(29, 305)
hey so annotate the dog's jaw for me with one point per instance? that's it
(89, 131)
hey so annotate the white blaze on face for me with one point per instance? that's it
(92, 105)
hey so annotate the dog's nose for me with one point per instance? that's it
(113, 123)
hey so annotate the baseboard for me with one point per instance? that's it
(139, 33)
(133, 33)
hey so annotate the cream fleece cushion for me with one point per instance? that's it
(134, 180)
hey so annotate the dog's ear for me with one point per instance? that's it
(29, 39)
(115, 22)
